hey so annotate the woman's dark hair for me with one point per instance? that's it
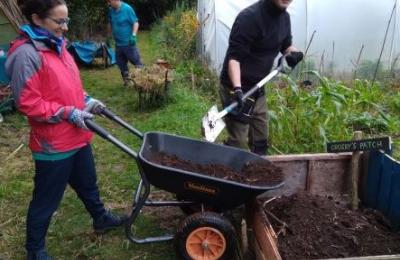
(39, 7)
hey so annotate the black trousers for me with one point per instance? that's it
(50, 181)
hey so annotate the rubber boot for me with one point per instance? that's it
(127, 79)
(260, 147)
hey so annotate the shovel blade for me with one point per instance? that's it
(211, 125)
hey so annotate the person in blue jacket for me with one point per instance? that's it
(124, 25)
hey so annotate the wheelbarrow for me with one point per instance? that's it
(203, 234)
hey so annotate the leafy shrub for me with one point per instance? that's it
(89, 17)
(367, 122)
(176, 37)
(151, 10)
(178, 34)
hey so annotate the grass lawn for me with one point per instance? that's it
(70, 234)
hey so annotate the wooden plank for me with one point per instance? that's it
(295, 177)
(259, 254)
(311, 156)
(309, 174)
(355, 173)
(330, 173)
(265, 239)
(331, 177)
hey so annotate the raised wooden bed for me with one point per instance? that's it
(322, 174)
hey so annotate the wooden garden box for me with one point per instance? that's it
(322, 174)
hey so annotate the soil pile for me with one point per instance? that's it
(320, 227)
(255, 173)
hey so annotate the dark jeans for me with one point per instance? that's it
(50, 181)
(125, 54)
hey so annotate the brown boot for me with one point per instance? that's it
(127, 82)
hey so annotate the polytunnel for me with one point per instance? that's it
(339, 37)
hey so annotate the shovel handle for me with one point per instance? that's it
(260, 84)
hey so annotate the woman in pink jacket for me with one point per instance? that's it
(47, 89)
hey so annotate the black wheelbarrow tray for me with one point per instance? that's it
(190, 187)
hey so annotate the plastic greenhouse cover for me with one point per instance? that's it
(338, 30)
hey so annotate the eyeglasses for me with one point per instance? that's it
(61, 21)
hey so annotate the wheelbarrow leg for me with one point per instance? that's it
(137, 193)
(139, 202)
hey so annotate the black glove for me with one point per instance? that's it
(237, 96)
(293, 58)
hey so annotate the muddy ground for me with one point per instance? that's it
(255, 173)
(322, 227)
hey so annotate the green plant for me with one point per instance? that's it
(303, 119)
(89, 17)
(176, 37)
(178, 34)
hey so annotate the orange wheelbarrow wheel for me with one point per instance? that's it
(205, 236)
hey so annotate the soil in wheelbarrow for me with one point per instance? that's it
(321, 227)
(255, 173)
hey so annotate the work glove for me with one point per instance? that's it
(293, 58)
(77, 117)
(237, 96)
(132, 40)
(93, 105)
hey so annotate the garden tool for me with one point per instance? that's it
(212, 122)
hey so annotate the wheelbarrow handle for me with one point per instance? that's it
(96, 128)
(109, 114)
(106, 135)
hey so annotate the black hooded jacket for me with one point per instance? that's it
(258, 34)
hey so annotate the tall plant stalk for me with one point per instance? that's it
(358, 62)
(384, 42)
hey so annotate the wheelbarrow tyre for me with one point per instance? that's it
(205, 235)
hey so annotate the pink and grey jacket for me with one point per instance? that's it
(46, 87)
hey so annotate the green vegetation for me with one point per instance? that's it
(89, 17)
(303, 119)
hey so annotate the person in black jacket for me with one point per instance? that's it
(258, 34)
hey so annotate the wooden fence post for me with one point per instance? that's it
(355, 173)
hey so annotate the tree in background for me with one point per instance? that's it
(89, 17)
